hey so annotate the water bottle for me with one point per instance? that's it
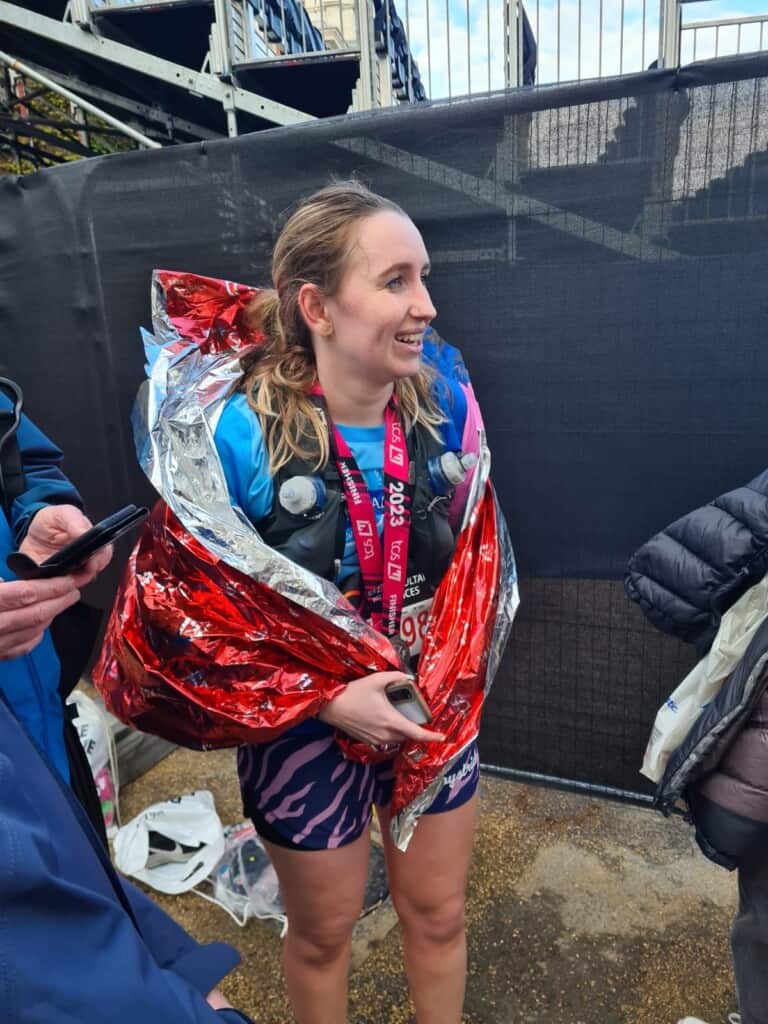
(449, 469)
(302, 495)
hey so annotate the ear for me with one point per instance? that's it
(314, 310)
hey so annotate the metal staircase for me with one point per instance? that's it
(181, 70)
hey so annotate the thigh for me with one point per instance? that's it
(433, 871)
(322, 890)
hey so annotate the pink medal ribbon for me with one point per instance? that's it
(383, 566)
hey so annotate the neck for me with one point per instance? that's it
(353, 402)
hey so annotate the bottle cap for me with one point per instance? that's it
(298, 494)
(452, 467)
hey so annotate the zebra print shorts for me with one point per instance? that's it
(302, 793)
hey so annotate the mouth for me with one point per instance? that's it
(413, 339)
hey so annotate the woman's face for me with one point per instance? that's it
(382, 306)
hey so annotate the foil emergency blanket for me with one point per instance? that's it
(216, 639)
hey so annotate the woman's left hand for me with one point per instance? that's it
(363, 711)
(53, 527)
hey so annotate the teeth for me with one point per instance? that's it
(409, 339)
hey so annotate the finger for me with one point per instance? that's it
(95, 564)
(37, 616)
(411, 731)
(24, 593)
(20, 647)
(381, 680)
(14, 635)
(70, 520)
(54, 525)
(102, 558)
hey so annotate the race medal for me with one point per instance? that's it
(383, 560)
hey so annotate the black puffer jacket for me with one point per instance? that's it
(684, 579)
(687, 576)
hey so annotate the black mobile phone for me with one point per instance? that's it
(73, 555)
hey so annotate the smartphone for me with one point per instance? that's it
(73, 555)
(406, 698)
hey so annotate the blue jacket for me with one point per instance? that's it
(30, 683)
(77, 944)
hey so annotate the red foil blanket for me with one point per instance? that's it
(207, 655)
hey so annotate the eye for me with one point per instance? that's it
(425, 277)
(395, 283)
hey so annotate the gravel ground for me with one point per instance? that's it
(580, 911)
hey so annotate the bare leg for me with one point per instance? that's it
(428, 884)
(323, 895)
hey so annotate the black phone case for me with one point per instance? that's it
(73, 555)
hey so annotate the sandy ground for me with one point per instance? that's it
(580, 911)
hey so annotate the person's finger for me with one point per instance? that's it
(102, 559)
(411, 731)
(39, 615)
(91, 569)
(21, 646)
(17, 632)
(25, 593)
(381, 680)
(71, 521)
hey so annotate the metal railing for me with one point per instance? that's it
(257, 32)
(409, 50)
(414, 49)
(465, 47)
(700, 40)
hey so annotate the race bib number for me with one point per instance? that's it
(415, 620)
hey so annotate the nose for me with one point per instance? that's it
(422, 308)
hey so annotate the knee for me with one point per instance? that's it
(319, 943)
(436, 923)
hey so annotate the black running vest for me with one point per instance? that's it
(316, 541)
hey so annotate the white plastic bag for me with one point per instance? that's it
(244, 882)
(96, 739)
(172, 845)
(681, 709)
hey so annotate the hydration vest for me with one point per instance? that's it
(316, 541)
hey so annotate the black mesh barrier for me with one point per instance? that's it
(599, 256)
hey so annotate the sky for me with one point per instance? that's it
(459, 44)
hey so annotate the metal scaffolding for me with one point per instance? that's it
(170, 71)
(166, 71)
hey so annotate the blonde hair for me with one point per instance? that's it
(313, 248)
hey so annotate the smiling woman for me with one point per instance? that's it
(370, 332)
(349, 308)
(332, 447)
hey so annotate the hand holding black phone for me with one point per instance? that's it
(72, 556)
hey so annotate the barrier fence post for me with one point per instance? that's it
(669, 33)
(511, 44)
(365, 85)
